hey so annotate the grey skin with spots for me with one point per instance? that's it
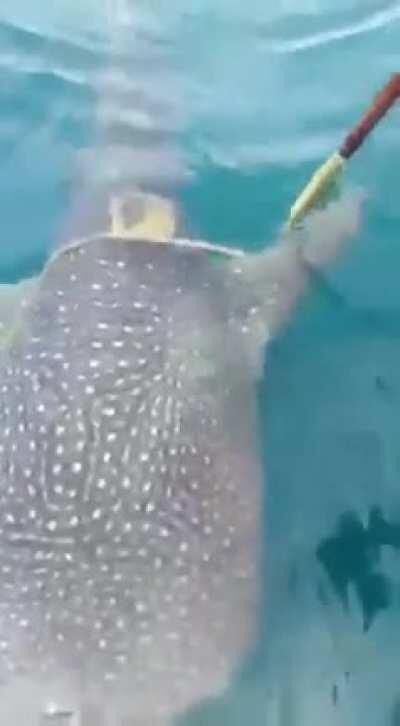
(131, 486)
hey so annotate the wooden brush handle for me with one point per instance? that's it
(384, 100)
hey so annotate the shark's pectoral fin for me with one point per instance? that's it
(14, 298)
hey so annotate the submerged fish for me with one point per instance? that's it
(131, 482)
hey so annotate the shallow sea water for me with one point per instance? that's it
(229, 107)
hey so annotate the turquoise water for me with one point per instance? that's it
(234, 107)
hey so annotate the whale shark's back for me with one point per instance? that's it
(130, 486)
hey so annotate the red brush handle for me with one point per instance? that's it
(385, 99)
